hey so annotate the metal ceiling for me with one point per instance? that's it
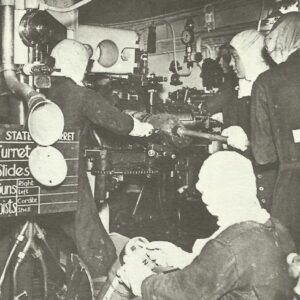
(115, 11)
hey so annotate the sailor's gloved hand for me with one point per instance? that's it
(293, 261)
(133, 273)
(141, 129)
(237, 138)
(166, 254)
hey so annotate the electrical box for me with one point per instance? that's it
(113, 49)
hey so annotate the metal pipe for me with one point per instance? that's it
(39, 106)
(15, 279)
(7, 47)
(183, 74)
(209, 136)
(31, 60)
(138, 201)
(21, 257)
(151, 101)
(41, 236)
(45, 275)
(19, 239)
(101, 165)
(39, 255)
(65, 9)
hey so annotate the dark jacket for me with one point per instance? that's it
(275, 112)
(82, 106)
(236, 112)
(246, 261)
(224, 101)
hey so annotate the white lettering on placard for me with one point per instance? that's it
(29, 200)
(15, 152)
(22, 210)
(25, 183)
(23, 192)
(13, 170)
(8, 208)
(67, 136)
(8, 189)
(15, 135)
(20, 193)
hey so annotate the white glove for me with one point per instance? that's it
(166, 254)
(237, 138)
(133, 273)
(199, 245)
(218, 117)
(293, 261)
(141, 129)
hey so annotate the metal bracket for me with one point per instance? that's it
(7, 2)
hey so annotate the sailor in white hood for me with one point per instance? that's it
(248, 62)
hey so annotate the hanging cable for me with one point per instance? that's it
(183, 74)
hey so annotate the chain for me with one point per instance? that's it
(127, 172)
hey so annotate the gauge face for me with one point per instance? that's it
(186, 37)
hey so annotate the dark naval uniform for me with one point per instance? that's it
(275, 125)
(245, 261)
(80, 107)
(236, 112)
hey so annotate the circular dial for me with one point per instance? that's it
(186, 37)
